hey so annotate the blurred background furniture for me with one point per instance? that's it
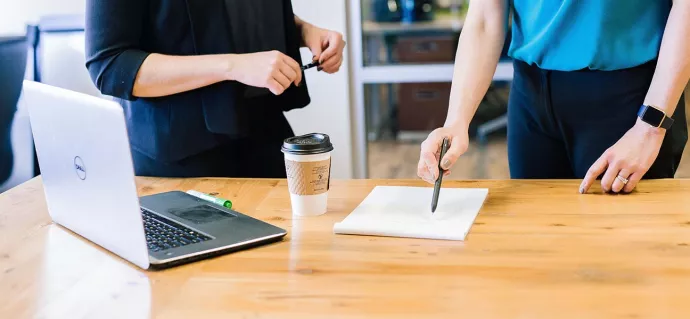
(52, 52)
(13, 54)
(404, 54)
(59, 53)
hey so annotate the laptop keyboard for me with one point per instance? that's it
(162, 234)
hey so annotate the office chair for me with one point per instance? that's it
(13, 53)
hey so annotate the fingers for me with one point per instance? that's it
(457, 148)
(294, 68)
(332, 65)
(282, 79)
(636, 174)
(632, 181)
(423, 168)
(423, 172)
(316, 51)
(431, 164)
(275, 87)
(428, 163)
(618, 185)
(594, 171)
(335, 45)
(610, 175)
(289, 73)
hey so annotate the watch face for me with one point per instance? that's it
(653, 116)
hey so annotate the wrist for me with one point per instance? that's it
(457, 125)
(305, 28)
(227, 67)
(648, 129)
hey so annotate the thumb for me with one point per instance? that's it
(457, 148)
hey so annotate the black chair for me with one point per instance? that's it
(13, 53)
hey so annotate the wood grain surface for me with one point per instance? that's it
(537, 250)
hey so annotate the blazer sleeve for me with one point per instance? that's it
(113, 44)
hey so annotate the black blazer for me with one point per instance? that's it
(120, 34)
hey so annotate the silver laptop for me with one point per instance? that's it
(88, 176)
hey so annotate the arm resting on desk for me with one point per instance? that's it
(633, 155)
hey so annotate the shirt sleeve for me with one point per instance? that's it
(113, 44)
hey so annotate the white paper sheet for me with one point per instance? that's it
(406, 212)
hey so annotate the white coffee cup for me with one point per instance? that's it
(308, 167)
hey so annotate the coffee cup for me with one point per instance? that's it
(308, 167)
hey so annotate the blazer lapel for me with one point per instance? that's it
(223, 111)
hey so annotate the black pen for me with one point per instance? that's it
(310, 65)
(439, 180)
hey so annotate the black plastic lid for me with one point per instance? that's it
(309, 144)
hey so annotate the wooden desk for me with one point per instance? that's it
(537, 250)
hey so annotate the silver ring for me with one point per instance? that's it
(622, 179)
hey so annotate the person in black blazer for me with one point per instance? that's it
(205, 84)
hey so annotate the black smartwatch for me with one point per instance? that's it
(654, 117)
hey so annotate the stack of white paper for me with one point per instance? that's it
(406, 212)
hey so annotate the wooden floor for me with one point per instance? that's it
(399, 160)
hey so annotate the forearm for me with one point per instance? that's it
(479, 49)
(673, 66)
(301, 25)
(162, 75)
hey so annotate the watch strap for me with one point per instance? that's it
(667, 123)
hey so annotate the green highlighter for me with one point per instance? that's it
(219, 201)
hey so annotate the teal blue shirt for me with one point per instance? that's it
(570, 35)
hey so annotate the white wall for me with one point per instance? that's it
(15, 14)
(328, 113)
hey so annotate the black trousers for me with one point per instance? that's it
(255, 157)
(560, 123)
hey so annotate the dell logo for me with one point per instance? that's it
(80, 168)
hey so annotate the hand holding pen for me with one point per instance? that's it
(310, 65)
(430, 159)
(272, 70)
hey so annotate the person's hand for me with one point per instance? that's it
(327, 47)
(630, 158)
(272, 70)
(427, 169)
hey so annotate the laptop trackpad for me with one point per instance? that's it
(201, 214)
